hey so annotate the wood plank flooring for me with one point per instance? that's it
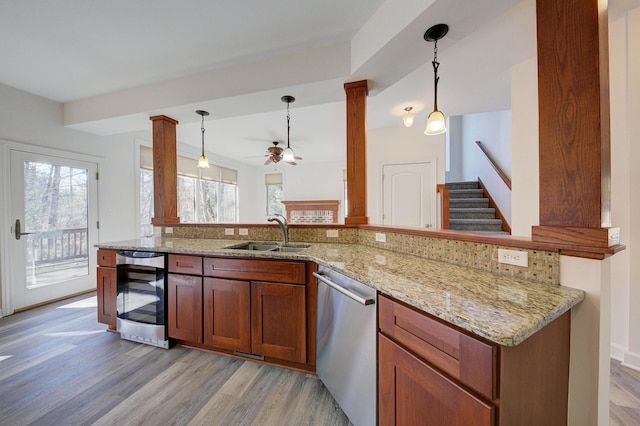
(58, 366)
(624, 397)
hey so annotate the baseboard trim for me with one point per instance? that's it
(617, 352)
(631, 360)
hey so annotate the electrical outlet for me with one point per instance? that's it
(228, 231)
(381, 238)
(332, 233)
(513, 257)
(243, 231)
(168, 230)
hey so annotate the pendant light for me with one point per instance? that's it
(407, 118)
(436, 123)
(203, 161)
(287, 154)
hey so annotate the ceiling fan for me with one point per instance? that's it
(275, 155)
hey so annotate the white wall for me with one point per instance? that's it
(493, 129)
(620, 188)
(625, 134)
(525, 198)
(395, 145)
(35, 121)
(305, 181)
(454, 150)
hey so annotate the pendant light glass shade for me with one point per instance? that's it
(287, 155)
(203, 161)
(408, 117)
(436, 124)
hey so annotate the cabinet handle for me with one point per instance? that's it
(351, 295)
(184, 265)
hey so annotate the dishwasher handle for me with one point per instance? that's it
(362, 300)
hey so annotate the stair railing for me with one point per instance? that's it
(441, 188)
(495, 165)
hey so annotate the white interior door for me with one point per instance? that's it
(409, 194)
(53, 226)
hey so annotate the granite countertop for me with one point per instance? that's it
(502, 309)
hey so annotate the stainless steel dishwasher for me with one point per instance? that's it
(346, 359)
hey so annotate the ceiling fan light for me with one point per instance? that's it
(203, 162)
(436, 124)
(287, 155)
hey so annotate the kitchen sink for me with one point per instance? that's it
(269, 247)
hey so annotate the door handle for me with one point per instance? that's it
(17, 230)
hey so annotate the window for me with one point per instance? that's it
(204, 195)
(273, 185)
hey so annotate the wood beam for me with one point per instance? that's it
(165, 193)
(573, 93)
(356, 93)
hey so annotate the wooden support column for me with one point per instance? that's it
(165, 193)
(573, 93)
(356, 93)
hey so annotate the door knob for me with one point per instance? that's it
(17, 230)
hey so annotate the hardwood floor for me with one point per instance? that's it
(624, 397)
(59, 366)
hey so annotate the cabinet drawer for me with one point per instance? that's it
(463, 357)
(256, 269)
(411, 392)
(106, 258)
(181, 264)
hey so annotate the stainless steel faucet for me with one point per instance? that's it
(284, 226)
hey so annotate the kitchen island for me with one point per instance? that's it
(501, 309)
(456, 344)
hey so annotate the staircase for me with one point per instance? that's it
(469, 209)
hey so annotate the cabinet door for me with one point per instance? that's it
(184, 301)
(410, 392)
(106, 292)
(227, 314)
(278, 321)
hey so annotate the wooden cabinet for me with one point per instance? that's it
(254, 306)
(278, 326)
(431, 372)
(227, 314)
(106, 289)
(411, 392)
(184, 298)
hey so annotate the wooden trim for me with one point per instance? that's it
(444, 205)
(165, 181)
(356, 94)
(502, 240)
(573, 104)
(505, 225)
(566, 235)
(48, 302)
(495, 165)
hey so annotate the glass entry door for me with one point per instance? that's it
(54, 227)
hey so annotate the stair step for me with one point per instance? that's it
(472, 213)
(466, 193)
(490, 225)
(458, 203)
(462, 185)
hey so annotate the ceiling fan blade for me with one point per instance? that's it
(269, 160)
(297, 158)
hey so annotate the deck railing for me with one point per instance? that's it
(56, 246)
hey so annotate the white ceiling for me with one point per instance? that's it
(115, 63)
